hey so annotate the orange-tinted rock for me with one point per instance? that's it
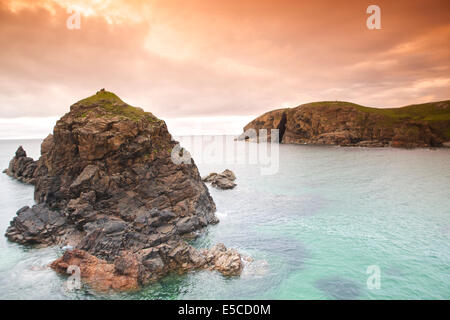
(97, 273)
(129, 271)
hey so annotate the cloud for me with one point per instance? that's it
(223, 58)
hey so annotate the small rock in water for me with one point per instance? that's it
(224, 180)
(229, 174)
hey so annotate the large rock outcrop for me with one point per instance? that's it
(348, 124)
(106, 184)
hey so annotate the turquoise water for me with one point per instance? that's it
(313, 229)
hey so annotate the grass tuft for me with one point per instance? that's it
(114, 106)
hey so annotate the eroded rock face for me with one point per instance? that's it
(224, 180)
(106, 185)
(347, 124)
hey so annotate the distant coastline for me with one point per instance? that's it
(348, 124)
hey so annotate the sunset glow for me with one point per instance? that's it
(198, 58)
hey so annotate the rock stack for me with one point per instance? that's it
(105, 185)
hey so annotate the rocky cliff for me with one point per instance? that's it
(348, 124)
(106, 185)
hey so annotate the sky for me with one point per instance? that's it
(209, 67)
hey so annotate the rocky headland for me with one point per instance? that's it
(349, 124)
(106, 186)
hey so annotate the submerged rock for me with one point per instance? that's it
(105, 184)
(222, 180)
(339, 288)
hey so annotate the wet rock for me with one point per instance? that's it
(129, 270)
(226, 261)
(97, 273)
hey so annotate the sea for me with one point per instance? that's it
(328, 223)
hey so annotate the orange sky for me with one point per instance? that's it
(204, 58)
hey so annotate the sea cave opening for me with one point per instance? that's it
(282, 126)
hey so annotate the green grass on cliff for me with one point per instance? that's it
(436, 114)
(114, 106)
(432, 111)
